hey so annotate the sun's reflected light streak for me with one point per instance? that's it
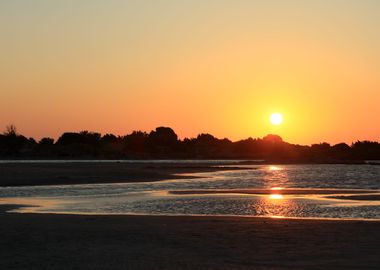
(276, 188)
(277, 217)
(276, 196)
(274, 168)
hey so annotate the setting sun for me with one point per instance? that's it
(196, 123)
(276, 119)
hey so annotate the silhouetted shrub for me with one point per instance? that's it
(46, 141)
(163, 142)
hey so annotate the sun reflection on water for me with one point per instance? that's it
(276, 188)
(274, 168)
(277, 217)
(276, 205)
(276, 196)
(275, 177)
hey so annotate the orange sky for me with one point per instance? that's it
(220, 67)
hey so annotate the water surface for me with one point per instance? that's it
(222, 193)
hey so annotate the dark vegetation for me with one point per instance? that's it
(163, 143)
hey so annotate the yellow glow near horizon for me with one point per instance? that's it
(276, 119)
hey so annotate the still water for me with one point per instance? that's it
(307, 191)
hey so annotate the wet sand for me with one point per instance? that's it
(47, 241)
(30, 174)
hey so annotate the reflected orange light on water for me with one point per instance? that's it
(274, 168)
(276, 206)
(276, 188)
(276, 216)
(276, 197)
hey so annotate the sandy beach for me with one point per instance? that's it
(39, 241)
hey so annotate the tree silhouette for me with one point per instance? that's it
(163, 142)
(10, 130)
(46, 141)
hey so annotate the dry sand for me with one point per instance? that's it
(39, 241)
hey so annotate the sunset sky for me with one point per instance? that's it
(214, 66)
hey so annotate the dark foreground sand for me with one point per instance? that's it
(31, 174)
(39, 241)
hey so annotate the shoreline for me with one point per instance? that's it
(14, 207)
(7, 209)
(185, 242)
(45, 172)
(37, 174)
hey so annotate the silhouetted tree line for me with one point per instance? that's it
(163, 143)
